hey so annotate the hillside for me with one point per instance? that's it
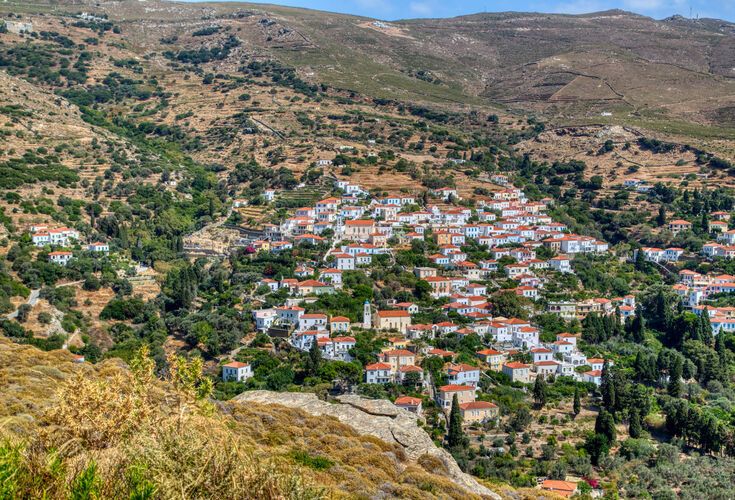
(659, 74)
(124, 434)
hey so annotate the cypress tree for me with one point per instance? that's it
(315, 358)
(677, 367)
(455, 436)
(706, 328)
(577, 406)
(619, 327)
(607, 388)
(640, 262)
(605, 425)
(642, 368)
(634, 424)
(636, 325)
(539, 391)
(651, 376)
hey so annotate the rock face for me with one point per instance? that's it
(377, 418)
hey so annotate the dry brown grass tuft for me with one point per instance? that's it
(107, 431)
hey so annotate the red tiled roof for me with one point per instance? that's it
(398, 352)
(360, 222)
(393, 314)
(236, 364)
(489, 352)
(455, 388)
(407, 401)
(477, 405)
(378, 366)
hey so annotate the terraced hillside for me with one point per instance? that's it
(577, 67)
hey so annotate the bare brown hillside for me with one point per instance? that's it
(636, 68)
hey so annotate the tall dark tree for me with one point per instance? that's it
(181, 287)
(640, 261)
(661, 313)
(634, 424)
(706, 328)
(636, 328)
(644, 367)
(597, 446)
(605, 425)
(607, 388)
(455, 436)
(677, 367)
(704, 223)
(577, 405)
(721, 349)
(661, 217)
(314, 360)
(539, 391)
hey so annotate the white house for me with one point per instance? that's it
(463, 374)
(60, 257)
(315, 321)
(339, 324)
(304, 340)
(561, 263)
(98, 247)
(518, 372)
(337, 348)
(264, 318)
(236, 372)
(62, 236)
(542, 354)
(378, 373)
(290, 314)
(594, 376)
(445, 193)
(344, 262)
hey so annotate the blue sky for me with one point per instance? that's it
(402, 9)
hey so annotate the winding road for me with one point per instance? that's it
(32, 300)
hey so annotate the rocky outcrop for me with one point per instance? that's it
(377, 418)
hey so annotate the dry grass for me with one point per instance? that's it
(106, 431)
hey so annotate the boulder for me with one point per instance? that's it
(378, 418)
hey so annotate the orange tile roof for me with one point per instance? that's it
(393, 314)
(489, 352)
(236, 364)
(378, 366)
(407, 401)
(398, 352)
(455, 388)
(477, 405)
(360, 222)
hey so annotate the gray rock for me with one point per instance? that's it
(378, 418)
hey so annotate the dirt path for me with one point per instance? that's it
(32, 300)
